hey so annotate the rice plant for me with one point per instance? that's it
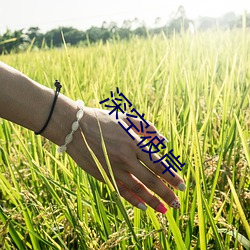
(195, 89)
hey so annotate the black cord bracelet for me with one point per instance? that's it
(58, 87)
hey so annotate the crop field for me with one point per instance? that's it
(195, 89)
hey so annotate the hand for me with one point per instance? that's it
(21, 98)
(134, 180)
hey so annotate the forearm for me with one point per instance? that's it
(27, 103)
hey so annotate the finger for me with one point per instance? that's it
(142, 180)
(162, 169)
(131, 197)
(157, 168)
(137, 189)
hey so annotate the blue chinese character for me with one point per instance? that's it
(142, 118)
(129, 127)
(142, 124)
(153, 147)
(172, 161)
(168, 168)
(117, 106)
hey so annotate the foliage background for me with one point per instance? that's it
(195, 89)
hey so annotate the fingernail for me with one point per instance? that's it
(163, 137)
(181, 186)
(142, 206)
(161, 208)
(175, 204)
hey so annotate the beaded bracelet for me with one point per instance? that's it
(74, 127)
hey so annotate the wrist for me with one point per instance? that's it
(61, 121)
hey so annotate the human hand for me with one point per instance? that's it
(28, 103)
(134, 180)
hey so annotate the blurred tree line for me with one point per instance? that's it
(21, 40)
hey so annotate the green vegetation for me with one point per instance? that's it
(20, 40)
(195, 89)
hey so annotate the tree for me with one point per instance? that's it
(180, 22)
(71, 35)
(127, 24)
(34, 33)
(113, 27)
(157, 22)
(13, 41)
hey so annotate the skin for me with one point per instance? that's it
(28, 103)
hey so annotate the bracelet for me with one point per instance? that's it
(74, 127)
(58, 87)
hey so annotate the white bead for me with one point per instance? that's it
(80, 103)
(62, 149)
(79, 114)
(69, 138)
(75, 126)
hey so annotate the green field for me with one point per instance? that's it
(195, 89)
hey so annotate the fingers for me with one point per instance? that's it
(154, 183)
(140, 182)
(159, 168)
(137, 193)
(131, 197)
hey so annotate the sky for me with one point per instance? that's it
(81, 14)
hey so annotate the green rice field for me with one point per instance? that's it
(195, 89)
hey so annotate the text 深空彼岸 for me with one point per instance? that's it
(152, 146)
